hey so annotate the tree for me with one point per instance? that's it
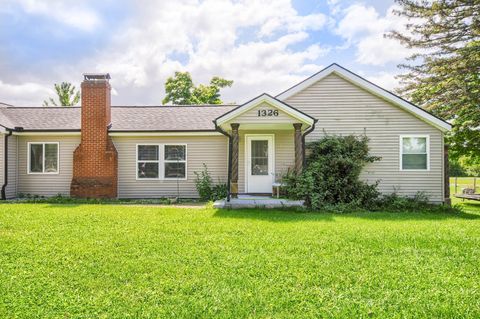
(455, 169)
(67, 95)
(443, 76)
(471, 165)
(180, 90)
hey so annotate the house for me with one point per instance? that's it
(99, 150)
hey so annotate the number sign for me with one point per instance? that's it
(262, 113)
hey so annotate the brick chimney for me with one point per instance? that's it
(95, 159)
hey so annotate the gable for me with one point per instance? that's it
(264, 112)
(370, 88)
(344, 108)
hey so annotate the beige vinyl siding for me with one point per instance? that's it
(46, 184)
(211, 150)
(343, 108)
(284, 153)
(251, 116)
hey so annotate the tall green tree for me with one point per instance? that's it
(66, 93)
(443, 76)
(180, 90)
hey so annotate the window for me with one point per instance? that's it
(175, 161)
(43, 158)
(147, 161)
(158, 161)
(259, 157)
(414, 152)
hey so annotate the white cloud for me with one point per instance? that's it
(385, 80)
(23, 93)
(257, 43)
(69, 13)
(208, 33)
(364, 28)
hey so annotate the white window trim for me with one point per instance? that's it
(161, 162)
(43, 159)
(401, 152)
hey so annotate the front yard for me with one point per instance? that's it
(90, 261)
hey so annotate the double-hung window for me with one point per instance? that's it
(43, 158)
(148, 161)
(162, 161)
(414, 152)
(175, 165)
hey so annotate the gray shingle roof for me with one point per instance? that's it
(124, 118)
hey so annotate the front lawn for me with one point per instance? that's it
(90, 261)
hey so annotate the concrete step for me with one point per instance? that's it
(257, 203)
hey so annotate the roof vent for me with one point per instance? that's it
(96, 76)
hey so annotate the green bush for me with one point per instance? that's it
(219, 191)
(205, 187)
(62, 199)
(331, 176)
(203, 183)
(395, 202)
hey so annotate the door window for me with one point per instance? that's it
(260, 157)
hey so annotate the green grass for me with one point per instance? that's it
(106, 261)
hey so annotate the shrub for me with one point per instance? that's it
(203, 183)
(331, 176)
(395, 202)
(205, 187)
(62, 199)
(219, 191)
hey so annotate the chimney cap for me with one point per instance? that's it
(96, 76)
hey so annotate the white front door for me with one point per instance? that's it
(259, 162)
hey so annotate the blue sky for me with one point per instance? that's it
(264, 46)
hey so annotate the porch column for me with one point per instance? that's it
(298, 147)
(234, 165)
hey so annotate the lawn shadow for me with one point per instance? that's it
(61, 205)
(414, 215)
(273, 215)
(471, 205)
(284, 215)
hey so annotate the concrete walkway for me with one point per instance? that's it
(245, 201)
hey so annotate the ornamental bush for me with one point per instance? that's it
(331, 176)
(205, 187)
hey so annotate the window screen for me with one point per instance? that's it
(414, 153)
(43, 158)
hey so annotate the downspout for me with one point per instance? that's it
(229, 169)
(5, 165)
(310, 130)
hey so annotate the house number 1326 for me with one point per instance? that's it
(267, 113)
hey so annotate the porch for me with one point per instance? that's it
(266, 141)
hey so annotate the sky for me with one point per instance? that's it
(262, 45)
